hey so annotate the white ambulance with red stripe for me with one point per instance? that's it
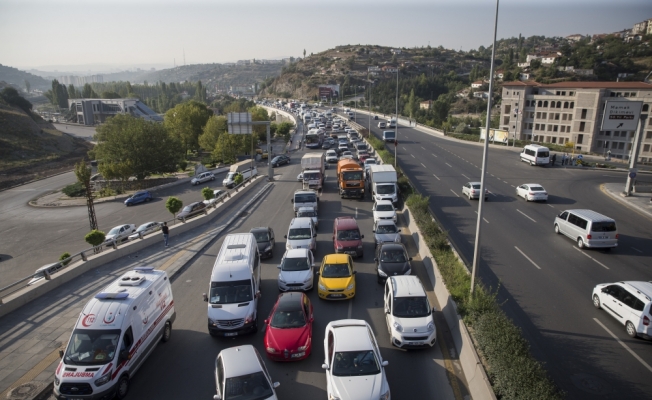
(114, 334)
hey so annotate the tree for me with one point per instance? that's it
(95, 237)
(72, 92)
(83, 174)
(200, 92)
(259, 114)
(173, 205)
(110, 95)
(207, 193)
(304, 53)
(216, 126)
(186, 122)
(28, 86)
(88, 93)
(412, 105)
(129, 146)
(11, 96)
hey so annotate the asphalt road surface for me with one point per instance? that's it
(545, 281)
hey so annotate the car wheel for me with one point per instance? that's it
(596, 301)
(580, 243)
(128, 204)
(526, 198)
(631, 330)
(123, 387)
(147, 200)
(213, 178)
(557, 229)
(380, 281)
(167, 332)
(532, 163)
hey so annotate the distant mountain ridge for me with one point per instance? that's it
(17, 78)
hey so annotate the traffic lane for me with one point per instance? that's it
(62, 229)
(14, 200)
(304, 378)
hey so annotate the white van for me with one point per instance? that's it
(410, 318)
(235, 287)
(535, 155)
(588, 228)
(302, 234)
(114, 334)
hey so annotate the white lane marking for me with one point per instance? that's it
(513, 186)
(348, 315)
(601, 264)
(492, 193)
(424, 166)
(404, 148)
(423, 147)
(528, 258)
(634, 248)
(449, 165)
(483, 218)
(356, 212)
(455, 193)
(412, 155)
(436, 177)
(525, 215)
(465, 176)
(551, 206)
(646, 365)
(21, 190)
(506, 182)
(433, 154)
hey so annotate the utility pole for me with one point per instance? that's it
(633, 159)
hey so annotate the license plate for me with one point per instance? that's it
(415, 343)
(352, 253)
(602, 237)
(231, 334)
(337, 295)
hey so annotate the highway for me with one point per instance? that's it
(545, 281)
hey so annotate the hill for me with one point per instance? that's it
(17, 78)
(31, 147)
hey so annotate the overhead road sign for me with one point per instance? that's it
(621, 115)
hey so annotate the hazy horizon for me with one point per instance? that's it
(126, 34)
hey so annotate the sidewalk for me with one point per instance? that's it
(640, 202)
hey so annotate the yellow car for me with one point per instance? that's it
(336, 277)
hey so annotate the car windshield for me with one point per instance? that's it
(288, 319)
(385, 189)
(370, 161)
(384, 207)
(393, 255)
(352, 175)
(305, 198)
(261, 237)
(352, 234)
(411, 307)
(295, 264)
(386, 229)
(306, 214)
(355, 363)
(187, 209)
(336, 271)
(247, 387)
(311, 176)
(92, 346)
(537, 189)
(607, 226)
(476, 186)
(230, 292)
(299, 234)
(115, 230)
(142, 227)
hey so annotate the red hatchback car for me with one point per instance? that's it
(346, 237)
(288, 330)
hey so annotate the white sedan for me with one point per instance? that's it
(532, 192)
(119, 233)
(146, 229)
(354, 367)
(472, 191)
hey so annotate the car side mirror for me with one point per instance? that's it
(314, 235)
(410, 259)
(362, 237)
(286, 236)
(374, 231)
(385, 363)
(317, 272)
(266, 321)
(216, 397)
(60, 353)
(278, 266)
(399, 230)
(324, 366)
(291, 200)
(205, 297)
(355, 272)
(258, 294)
(276, 384)
(375, 259)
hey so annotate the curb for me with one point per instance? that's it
(628, 204)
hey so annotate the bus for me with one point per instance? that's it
(314, 139)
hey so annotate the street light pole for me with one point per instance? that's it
(518, 109)
(396, 125)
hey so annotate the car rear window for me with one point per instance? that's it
(608, 226)
(537, 189)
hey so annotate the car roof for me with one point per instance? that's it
(533, 184)
(300, 222)
(306, 209)
(385, 222)
(592, 215)
(346, 223)
(644, 288)
(296, 253)
(351, 335)
(240, 360)
(336, 258)
(290, 301)
(407, 286)
(474, 183)
(384, 202)
(391, 246)
(259, 229)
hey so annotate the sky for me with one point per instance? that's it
(98, 35)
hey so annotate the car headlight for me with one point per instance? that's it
(397, 238)
(398, 327)
(212, 322)
(102, 380)
(431, 326)
(339, 247)
(288, 246)
(56, 381)
(321, 286)
(350, 287)
(308, 279)
(249, 318)
(280, 279)
(271, 350)
(384, 396)
(360, 246)
(381, 273)
(333, 397)
(268, 248)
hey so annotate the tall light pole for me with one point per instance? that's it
(518, 108)
(396, 125)
(476, 248)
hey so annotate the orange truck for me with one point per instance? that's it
(350, 178)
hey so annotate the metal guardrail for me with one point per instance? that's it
(82, 255)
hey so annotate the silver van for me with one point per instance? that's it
(588, 228)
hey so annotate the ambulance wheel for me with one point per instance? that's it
(167, 332)
(123, 387)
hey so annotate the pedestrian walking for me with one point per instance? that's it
(166, 233)
(554, 159)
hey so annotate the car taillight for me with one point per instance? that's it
(472, 191)
(616, 236)
(531, 194)
(588, 237)
(646, 320)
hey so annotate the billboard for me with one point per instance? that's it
(495, 135)
(329, 91)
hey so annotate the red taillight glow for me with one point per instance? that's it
(646, 320)
(531, 194)
(588, 237)
(616, 236)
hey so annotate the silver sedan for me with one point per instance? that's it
(532, 192)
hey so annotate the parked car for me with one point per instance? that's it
(353, 364)
(192, 210)
(629, 303)
(532, 192)
(216, 195)
(203, 177)
(385, 230)
(142, 196)
(146, 229)
(240, 373)
(119, 233)
(472, 191)
(280, 160)
(296, 270)
(288, 333)
(392, 259)
(39, 274)
(265, 238)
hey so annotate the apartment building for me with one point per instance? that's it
(571, 112)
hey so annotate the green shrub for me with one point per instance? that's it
(74, 190)
(238, 179)
(207, 193)
(63, 257)
(183, 164)
(173, 205)
(95, 237)
(107, 192)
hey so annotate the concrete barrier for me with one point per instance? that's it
(479, 385)
(24, 296)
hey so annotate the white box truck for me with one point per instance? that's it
(115, 332)
(384, 184)
(242, 167)
(313, 166)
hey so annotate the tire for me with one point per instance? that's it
(167, 332)
(596, 301)
(122, 389)
(531, 164)
(212, 334)
(526, 199)
(631, 330)
(380, 281)
(557, 229)
(580, 243)
(147, 200)
(255, 328)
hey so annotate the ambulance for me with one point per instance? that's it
(115, 332)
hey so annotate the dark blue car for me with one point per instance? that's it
(142, 196)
